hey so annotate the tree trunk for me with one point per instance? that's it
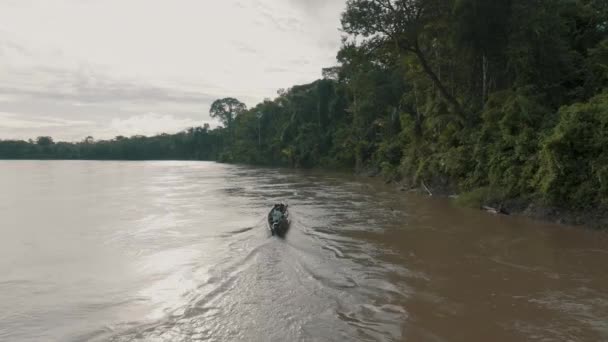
(438, 58)
(418, 124)
(484, 93)
(356, 120)
(446, 94)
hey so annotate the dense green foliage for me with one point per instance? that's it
(198, 143)
(505, 99)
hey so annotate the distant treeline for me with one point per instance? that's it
(502, 99)
(197, 143)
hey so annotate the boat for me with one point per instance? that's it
(279, 224)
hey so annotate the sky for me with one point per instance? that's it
(74, 68)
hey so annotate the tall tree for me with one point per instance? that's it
(44, 141)
(226, 110)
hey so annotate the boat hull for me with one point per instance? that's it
(279, 229)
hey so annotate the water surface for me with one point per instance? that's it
(179, 251)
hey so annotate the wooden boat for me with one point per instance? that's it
(279, 223)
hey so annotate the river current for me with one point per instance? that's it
(180, 251)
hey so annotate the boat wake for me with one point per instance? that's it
(281, 289)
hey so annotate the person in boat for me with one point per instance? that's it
(277, 213)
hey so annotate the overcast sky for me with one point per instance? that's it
(72, 68)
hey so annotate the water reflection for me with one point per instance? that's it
(180, 251)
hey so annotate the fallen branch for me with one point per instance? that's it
(426, 188)
(500, 210)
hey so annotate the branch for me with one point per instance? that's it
(426, 188)
(387, 5)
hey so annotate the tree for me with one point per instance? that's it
(481, 31)
(406, 24)
(226, 110)
(44, 141)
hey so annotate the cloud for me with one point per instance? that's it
(13, 120)
(84, 85)
(315, 7)
(244, 47)
(20, 126)
(67, 72)
(298, 61)
(150, 124)
(276, 70)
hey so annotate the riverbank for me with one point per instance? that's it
(590, 218)
(493, 203)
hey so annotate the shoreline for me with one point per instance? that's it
(594, 219)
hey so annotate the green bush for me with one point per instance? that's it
(507, 147)
(574, 158)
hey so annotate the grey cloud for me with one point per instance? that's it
(6, 46)
(281, 21)
(283, 24)
(276, 69)
(67, 103)
(315, 7)
(52, 75)
(299, 61)
(83, 87)
(15, 121)
(245, 48)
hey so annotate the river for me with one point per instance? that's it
(180, 251)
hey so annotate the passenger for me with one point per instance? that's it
(277, 215)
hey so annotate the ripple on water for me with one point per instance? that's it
(180, 251)
(277, 289)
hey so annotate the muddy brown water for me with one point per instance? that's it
(180, 251)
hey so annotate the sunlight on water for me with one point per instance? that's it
(180, 251)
